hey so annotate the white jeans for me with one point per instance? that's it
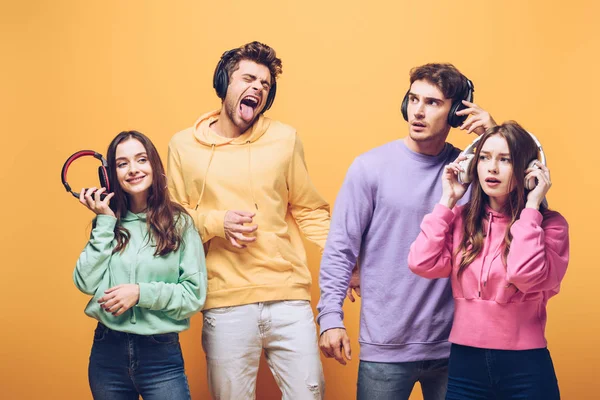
(234, 337)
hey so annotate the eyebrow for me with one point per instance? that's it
(500, 154)
(426, 98)
(137, 155)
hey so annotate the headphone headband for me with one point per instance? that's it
(542, 157)
(102, 170)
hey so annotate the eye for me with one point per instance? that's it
(432, 102)
(505, 159)
(121, 164)
(412, 99)
(142, 160)
(482, 157)
(247, 79)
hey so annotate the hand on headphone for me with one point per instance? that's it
(91, 200)
(541, 173)
(452, 189)
(480, 120)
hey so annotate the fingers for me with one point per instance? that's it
(234, 243)
(357, 290)
(241, 238)
(346, 346)
(244, 228)
(337, 353)
(475, 125)
(107, 198)
(88, 197)
(349, 295)
(244, 213)
(120, 311)
(112, 289)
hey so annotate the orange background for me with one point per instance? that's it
(75, 73)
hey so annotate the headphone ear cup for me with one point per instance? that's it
(531, 183)
(404, 107)
(103, 176)
(453, 119)
(463, 176)
(270, 97)
(220, 81)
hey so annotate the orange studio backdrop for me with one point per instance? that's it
(75, 73)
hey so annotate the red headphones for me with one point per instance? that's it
(102, 171)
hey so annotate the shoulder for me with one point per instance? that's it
(182, 138)
(554, 219)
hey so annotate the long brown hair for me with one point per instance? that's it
(522, 151)
(162, 216)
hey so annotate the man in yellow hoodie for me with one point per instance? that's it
(243, 178)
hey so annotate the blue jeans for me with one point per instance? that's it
(395, 381)
(124, 366)
(501, 374)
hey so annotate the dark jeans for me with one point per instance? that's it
(501, 374)
(124, 366)
(395, 381)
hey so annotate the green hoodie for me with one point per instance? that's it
(172, 287)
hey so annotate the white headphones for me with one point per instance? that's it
(469, 152)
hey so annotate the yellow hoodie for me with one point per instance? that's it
(262, 171)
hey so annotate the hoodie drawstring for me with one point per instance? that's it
(486, 246)
(250, 174)
(212, 152)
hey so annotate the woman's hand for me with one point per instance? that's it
(452, 189)
(541, 174)
(91, 200)
(120, 298)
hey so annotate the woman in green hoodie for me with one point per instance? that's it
(144, 266)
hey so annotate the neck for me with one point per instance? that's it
(431, 147)
(225, 127)
(497, 203)
(138, 203)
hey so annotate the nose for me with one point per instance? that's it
(493, 167)
(133, 169)
(257, 85)
(419, 110)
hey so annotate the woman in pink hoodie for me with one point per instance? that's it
(506, 255)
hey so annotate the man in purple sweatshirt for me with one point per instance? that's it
(405, 320)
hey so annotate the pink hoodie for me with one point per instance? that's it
(497, 306)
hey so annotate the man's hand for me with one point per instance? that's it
(334, 343)
(480, 120)
(354, 284)
(235, 228)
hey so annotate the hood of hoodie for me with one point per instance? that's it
(207, 136)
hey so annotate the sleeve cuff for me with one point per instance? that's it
(330, 321)
(146, 299)
(443, 212)
(214, 223)
(532, 215)
(105, 222)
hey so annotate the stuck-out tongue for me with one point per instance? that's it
(247, 112)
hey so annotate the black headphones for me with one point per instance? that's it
(221, 80)
(457, 105)
(102, 171)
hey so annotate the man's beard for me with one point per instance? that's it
(234, 117)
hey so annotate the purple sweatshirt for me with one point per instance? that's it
(377, 215)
